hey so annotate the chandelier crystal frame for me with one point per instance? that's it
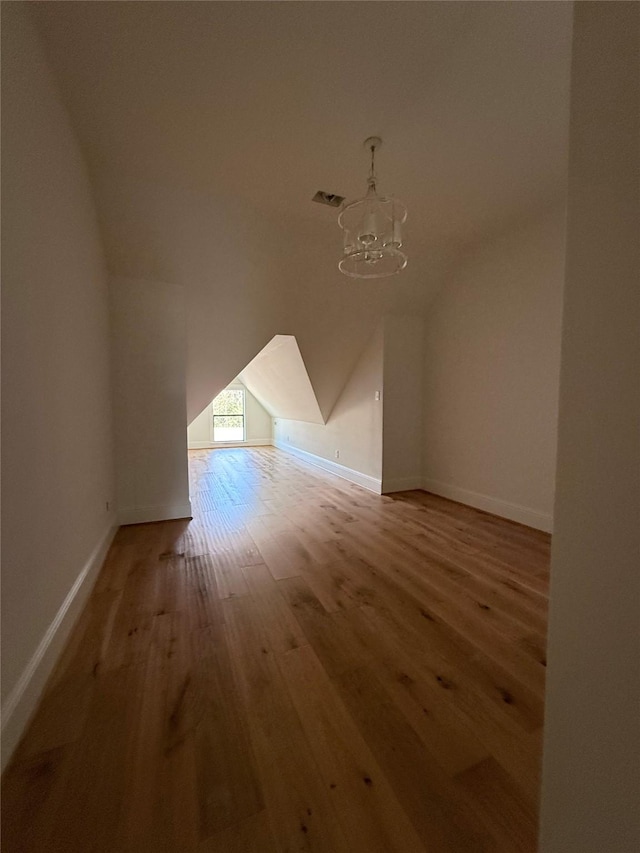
(372, 230)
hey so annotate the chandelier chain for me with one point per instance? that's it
(372, 171)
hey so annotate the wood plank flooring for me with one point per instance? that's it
(305, 666)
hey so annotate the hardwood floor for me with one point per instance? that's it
(304, 666)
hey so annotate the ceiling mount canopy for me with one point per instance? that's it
(372, 230)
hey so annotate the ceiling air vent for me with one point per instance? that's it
(331, 199)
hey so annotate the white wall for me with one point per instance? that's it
(354, 427)
(199, 430)
(57, 472)
(492, 357)
(591, 778)
(257, 423)
(403, 406)
(149, 395)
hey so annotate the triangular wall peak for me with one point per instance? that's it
(278, 378)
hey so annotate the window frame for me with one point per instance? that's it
(220, 442)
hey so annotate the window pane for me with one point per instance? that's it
(228, 427)
(229, 402)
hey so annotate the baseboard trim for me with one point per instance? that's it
(401, 484)
(210, 445)
(145, 514)
(364, 480)
(23, 699)
(496, 506)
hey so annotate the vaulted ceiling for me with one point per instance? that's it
(208, 127)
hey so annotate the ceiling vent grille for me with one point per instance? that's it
(331, 199)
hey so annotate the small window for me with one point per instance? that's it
(228, 415)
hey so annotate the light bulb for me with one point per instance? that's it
(397, 234)
(368, 234)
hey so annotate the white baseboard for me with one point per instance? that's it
(211, 445)
(145, 514)
(401, 484)
(496, 506)
(23, 699)
(350, 474)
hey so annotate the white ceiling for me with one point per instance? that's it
(270, 101)
(208, 127)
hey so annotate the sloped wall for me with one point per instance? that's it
(277, 376)
(354, 427)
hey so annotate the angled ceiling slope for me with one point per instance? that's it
(278, 379)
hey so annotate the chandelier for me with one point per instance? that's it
(372, 230)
